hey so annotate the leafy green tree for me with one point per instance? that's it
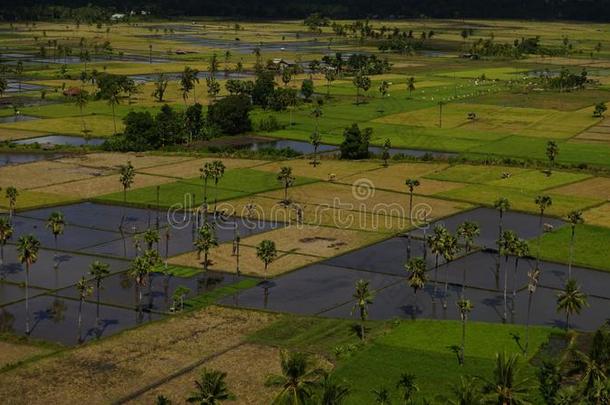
(361, 82)
(193, 121)
(287, 179)
(211, 388)
(364, 298)
(355, 144)
(267, 253)
(231, 114)
(98, 271)
(160, 86)
(600, 109)
(27, 252)
(571, 300)
(188, 79)
(307, 89)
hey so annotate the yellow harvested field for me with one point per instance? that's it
(12, 353)
(247, 368)
(315, 240)
(190, 169)
(119, 365)
(221, 259)
(340, 168)
(114, 160)
(96, 186)
(597, 187)
(44, 173)
(7, 134)
(599, 215)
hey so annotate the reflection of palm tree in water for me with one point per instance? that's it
(6, 321)
(58, 309)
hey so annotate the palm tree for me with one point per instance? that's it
(114, 99)
(27, 249)
(206, 240)
(315, 137)
(449, 250)
(364, 298)
(139, 270)
(466, 392)
(81, 99)
(382, 396)
(506, 244)
(412, 184)
(436, 241)
(267, 253)
(84, 290)
(506, 387)
(502, 205)
(211, 388)
(206, 172)
(287, 179)
(98, 270)
(552, 150)
(151, 236)
(571, 300)
(417, 277)
(56, 224)
(591, 371)
(464, 307)
(520, 248)
(331, 392)
(297, 381)
(574, 218)
(188, 78)
(408, 388)
(217, 172)
(127, 175)
(6, 232)
(11, 196)
(533, 277)
(467, 231)
(410, 85)
(543, 202)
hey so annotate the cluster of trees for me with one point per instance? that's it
(357, 62)
(566, 80)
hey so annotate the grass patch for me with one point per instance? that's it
(590, 246)
(211, 297)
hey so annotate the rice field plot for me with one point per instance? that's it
(475, 174)
(7, 134)
(596, 187)
(112, 160)
(537, 180)
(493, 73)
(235, 183)
(122, 364)
(45, 173)
(13, 353)
(596, 133)
(99, 125)
(520, 199)
(190, 169)
(599, 215)
(590, 246)
(303, 168)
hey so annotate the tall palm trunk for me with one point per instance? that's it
(80, 321)
(571, 253)
(410, 223)
(435, 278)
(463, 347)
(27, 298)
(527, 322)
(499, 256)
(215, 196)
(362, 323)
(515, 279)
(446, 284)
(97, 309)
(113, 119)
(505, 317)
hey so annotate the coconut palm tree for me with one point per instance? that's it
(464, 307)
(217, 172)
(27, 250)
(364, 298)
(114, 99)
(571, 300)
(297, 381)
(11, 195)
(506, 387)
(127, 176)
(411, 184)
(417, 277)
(502, 205)
(436, 241)
(6, 232)
(506, 244)
(331, 392)
(211, 388)
(287, 179)
(467, 392)
(81, 99)
(449, 250)
(591, 373)
(151, 237)
(519, 248)
(205, 241)
(98, 270)
(56, 224)
(574, 218)
(467, 231)
(408, 388)
(188, 78)
(543, 202)
(315, 138)
(84, 290)
(267, 253)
